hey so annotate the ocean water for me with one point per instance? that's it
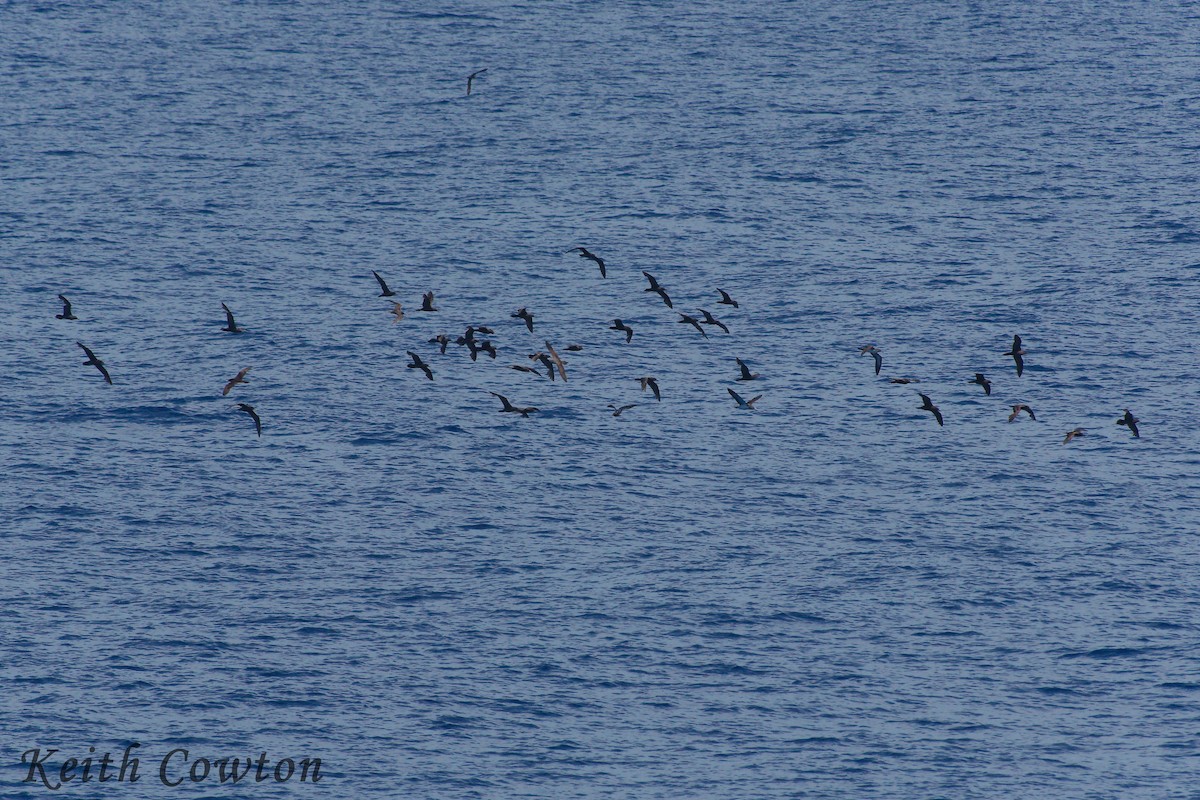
(829, 596)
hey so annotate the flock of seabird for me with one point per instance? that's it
(1017, 353)
(555, 366)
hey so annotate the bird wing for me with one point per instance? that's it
(744, 368)
(736, 396)
(1020, 363)
(558, 362)
(91, 356)
(878, 361)
(937, 414)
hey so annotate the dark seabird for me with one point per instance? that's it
(427, 302)
(230, 325)
(484, 329)
(545, 361)
(984, 382)
(397, 313)
(475, 348)
(66, 314)
(709, 319)
(1128, 420)
(927, 405)
(905, 381)
(583, 253)
(695, 323)
(1017, 409)
(574, 348)
(524, 412)
(1073, 434)
(524, 314)
(471, 78)
(249, 409)
(417, 363)
(558, 362)
(1016, 354)
(521, 368)
(746, 374)
(235, 380)
(653, 384)
(656, 287)
(617, 411)
(95, 362)
(384, 291)
(743, 403)
(441, 339)
(726, 300)
(621, 326)
(486, 346)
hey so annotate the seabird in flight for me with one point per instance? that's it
(653, 384)
(1128, 421)
(427, 302)
(574, 348)
(743, 403)
(522, 368)
(558, 362)
(384, 291)
(927, 405)
(524, 412)
(249, 409)
(235, 380)
(1017, 409)
(471, 78)
(875, 354)
(656, 287)
(230, 325)
(726, 300)
(584, 253)
(709, 319)
(746, 374)
(545, 361)
(695, 323)
(441, 339)
(397, 313)
(523, 313)
(617, 411)
(621, 326)
(417, 363)
(95, 362)
(66, 314)
(984, 382)
(1016, 352)
(1072, 434)
(486, 346)
(905, 381)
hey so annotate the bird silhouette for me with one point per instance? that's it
(397, 313)
(652, 384)
(1017, 409)
(726, 300)
(709, 319)
(584, 253)
(927, 405)
(690, 320)
(234, 381)
(1073, 434)
(471, 79)
(95, 362)
(618, 411)
(417, 363)
(427, 302)
(655, 286)
(230, 325)
(558, 362)
(66, 314)
(384, 291)
(746, 374)
(1128, 421)
(1016, 352)
(984, 382)
(618, 325)
(249, 409)
(510, 408)
(523, 313)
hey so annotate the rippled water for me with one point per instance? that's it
(830, 596)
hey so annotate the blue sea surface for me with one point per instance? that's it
(829, 596)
